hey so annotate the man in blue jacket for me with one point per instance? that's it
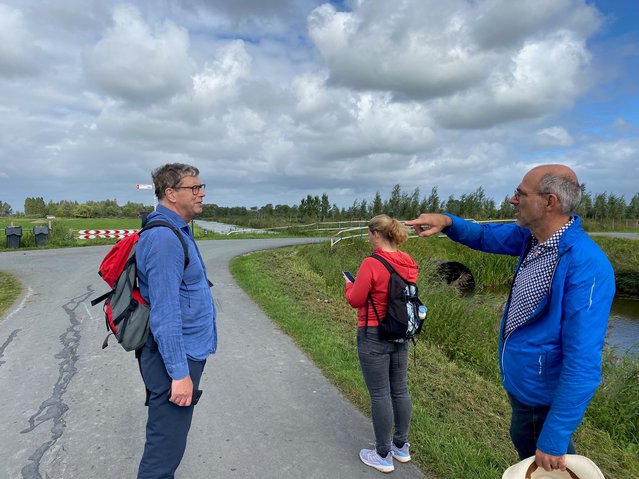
(183, 331)
(555, 320)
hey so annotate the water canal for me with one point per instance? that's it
(623, 326)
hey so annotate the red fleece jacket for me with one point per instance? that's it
(373, 278)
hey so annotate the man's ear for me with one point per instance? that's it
(169, 194)
(552, 201)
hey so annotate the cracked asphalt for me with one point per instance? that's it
(72, 410)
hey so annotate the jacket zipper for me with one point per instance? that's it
(533, 318)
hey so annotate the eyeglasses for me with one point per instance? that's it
(518, 193)
(195, 188)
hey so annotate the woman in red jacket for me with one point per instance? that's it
(383, 363)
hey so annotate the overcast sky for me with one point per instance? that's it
(277, 99)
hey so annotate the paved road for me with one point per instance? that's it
(634, 236)
(71, 410)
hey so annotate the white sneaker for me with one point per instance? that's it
(371, 458)
(401, 454)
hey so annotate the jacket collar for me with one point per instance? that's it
(572, 234)
(170, 215)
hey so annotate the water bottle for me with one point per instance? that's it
(421, 312)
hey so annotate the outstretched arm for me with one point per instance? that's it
(428, 224)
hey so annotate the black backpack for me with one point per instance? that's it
(402, 319)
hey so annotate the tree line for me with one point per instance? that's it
(400, 204)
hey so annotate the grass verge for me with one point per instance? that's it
(10, 289)
(460, 412)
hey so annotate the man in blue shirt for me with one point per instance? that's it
(183, 331)
(555, 320)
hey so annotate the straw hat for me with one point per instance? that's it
(577, 467)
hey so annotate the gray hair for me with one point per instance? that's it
(565, 188)
(170, 175)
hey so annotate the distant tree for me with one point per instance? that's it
(236, 211)
(35, 207)
(475, 204)
(433, 204)
(585, 205)
(600, 206)
(363, 209)
(411, 209)
(632, 212)
(452, 206)
(82, 211)
(324, 207)
(505, 209)
(378, 205)
(5, 209)
(616, 207)
(131, 210)
(393, 207)
(208, 210)
(267, 210)
(111, 211)
(489, 208)
(310, 207)
(335, 212)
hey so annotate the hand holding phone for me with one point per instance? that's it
(349, 277)
(194, 398)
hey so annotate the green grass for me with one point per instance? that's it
(624, 257)
(460, 411)
(10, 289)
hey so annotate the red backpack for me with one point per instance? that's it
(125, 310)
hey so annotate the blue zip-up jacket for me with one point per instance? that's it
(554, 359)
(182, 308)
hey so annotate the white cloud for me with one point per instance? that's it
(277, 99)
(408, 48)
(610, 166)
(19, 53)
(553, 137)
(535, 66)
(504, 23)
(220, 81)
(134, 63)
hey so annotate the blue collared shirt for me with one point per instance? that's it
(182, 307)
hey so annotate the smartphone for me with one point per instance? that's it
(349, 276)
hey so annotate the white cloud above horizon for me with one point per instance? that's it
(277, 99)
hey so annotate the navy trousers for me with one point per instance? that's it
(167, 424)
(525, 427)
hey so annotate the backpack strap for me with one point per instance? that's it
(101, 298)
(390, 269)
(154, 224)
(370, 297)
